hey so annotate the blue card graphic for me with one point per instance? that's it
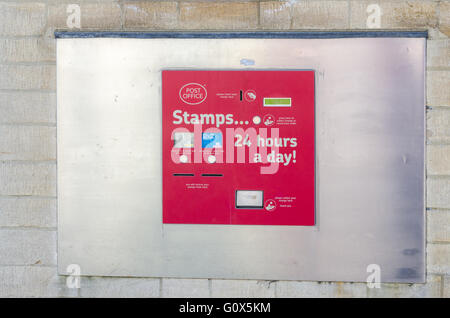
(211, 140)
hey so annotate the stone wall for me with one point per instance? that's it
(28, 224)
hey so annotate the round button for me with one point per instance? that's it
(183, 159)
(211, 159)
(257, 120)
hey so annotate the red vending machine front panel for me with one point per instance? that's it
(238, 147)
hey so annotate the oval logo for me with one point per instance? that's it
(193, 93)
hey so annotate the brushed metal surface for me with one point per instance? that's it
(369, 159)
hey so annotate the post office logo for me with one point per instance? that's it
(193, 93)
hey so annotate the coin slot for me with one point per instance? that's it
(183, 174)
(212, 175)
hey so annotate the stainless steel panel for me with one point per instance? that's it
(369, 159)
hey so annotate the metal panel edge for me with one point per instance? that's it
(243, 35)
